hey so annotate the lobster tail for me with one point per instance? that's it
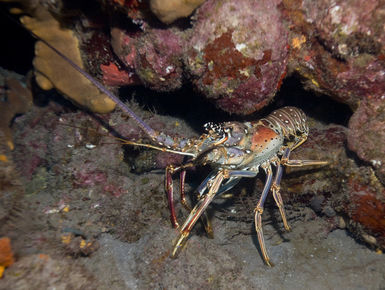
(291, 121)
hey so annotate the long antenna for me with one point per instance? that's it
(143, 125)
(146, 128)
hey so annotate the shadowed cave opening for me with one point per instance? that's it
(196, 110)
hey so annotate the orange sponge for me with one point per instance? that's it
(6, 254)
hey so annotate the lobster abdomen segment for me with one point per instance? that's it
(289, 120)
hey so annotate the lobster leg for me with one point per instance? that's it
(201, 190)
(275, 188)
(170, 170)
(204, 219)
(277, 180)
(170, 196)
(197, 211)
(258, 215)
(183, 200)
(302, 140)
(300, 163)
(285, 161)
(213, 182)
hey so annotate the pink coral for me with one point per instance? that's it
(154, 56)
(158, 63)
(366, 207)
(112, 76)
(342, 52)
(238, 53)
(367, 135)
(124, 46)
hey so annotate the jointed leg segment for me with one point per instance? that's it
(170, 170)
(275, 188)
(197, 211)
(258, 215)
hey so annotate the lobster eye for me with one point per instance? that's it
(211, 127)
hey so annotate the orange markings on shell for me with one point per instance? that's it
(262, 137)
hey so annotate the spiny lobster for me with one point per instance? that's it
(234, 150)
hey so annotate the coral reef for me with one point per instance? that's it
(237, 53)
(237, 58)
(158, 63)
(53, 71)
(15, 98)
(367, 135)
(342, 190)
(168, 11)
(338, 47)
(154, 57)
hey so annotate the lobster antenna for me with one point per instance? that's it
(143, 125)
(163, 149)
(147, 129)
